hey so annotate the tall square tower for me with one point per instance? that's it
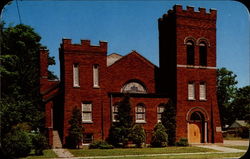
(187, 42)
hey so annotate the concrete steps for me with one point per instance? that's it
(56, 140)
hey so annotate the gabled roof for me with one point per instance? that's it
(146, 61)
(52, 91)
(112, 58)
(239, 123)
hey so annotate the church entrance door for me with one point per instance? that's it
(194, 131)
(196, 127)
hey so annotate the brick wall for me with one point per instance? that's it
(174, 28)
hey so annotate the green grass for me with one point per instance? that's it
(200, 156)
(46, 154)
(137, 151)
(238, 147)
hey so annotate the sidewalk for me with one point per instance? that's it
(236, 142)
(221, 148)
(63, 153)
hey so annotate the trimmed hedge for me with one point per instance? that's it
(100, 145)
(182, 142)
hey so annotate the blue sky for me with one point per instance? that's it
(132, 25)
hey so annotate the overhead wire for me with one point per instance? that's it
(18, 11)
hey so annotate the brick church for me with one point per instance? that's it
(95, 82)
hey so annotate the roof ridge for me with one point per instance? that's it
(138, 55)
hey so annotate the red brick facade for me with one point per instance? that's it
(170, 80)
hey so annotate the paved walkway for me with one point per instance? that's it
(220, 148)
(236, 142)
(63, 153)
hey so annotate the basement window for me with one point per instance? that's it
(87, 138)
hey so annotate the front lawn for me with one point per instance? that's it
(193, 156)
(46, 154)
(137, 151)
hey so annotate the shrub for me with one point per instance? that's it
(137, 135)
(168, 119)
(75, 130)
(159, 137)
(182, 142)
(40, 143)
(16, 143)
(120, 130)
(100, 145)
(114, 136)
(243, 132)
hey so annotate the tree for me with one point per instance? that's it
(241, 105)
(16, 143)
(19, 73)
(159, 137)
(137, 135)
(226, 89)
(51, 75)
(120, 130)
(114, 137)
(168, 119)
(76, 129)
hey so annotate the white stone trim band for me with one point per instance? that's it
(190, 66)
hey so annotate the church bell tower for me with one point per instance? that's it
(187, 43)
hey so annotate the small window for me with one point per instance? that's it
(96, 76)
(87, 138)
(190, 53)
(160, 110)
(87, 112)
(203, 54)
(115, 113)
(191, 91)
(140, 113)
(202, 91)
(76, 75)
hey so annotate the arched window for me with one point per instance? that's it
(140, 113)
(133, 87)
(190, 52)
(203, 54)
(160, 110)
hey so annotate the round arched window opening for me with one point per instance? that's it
(197, 116)
(133, 87)
(190, 52)
(203, 54)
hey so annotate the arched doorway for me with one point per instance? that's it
(197, 126)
